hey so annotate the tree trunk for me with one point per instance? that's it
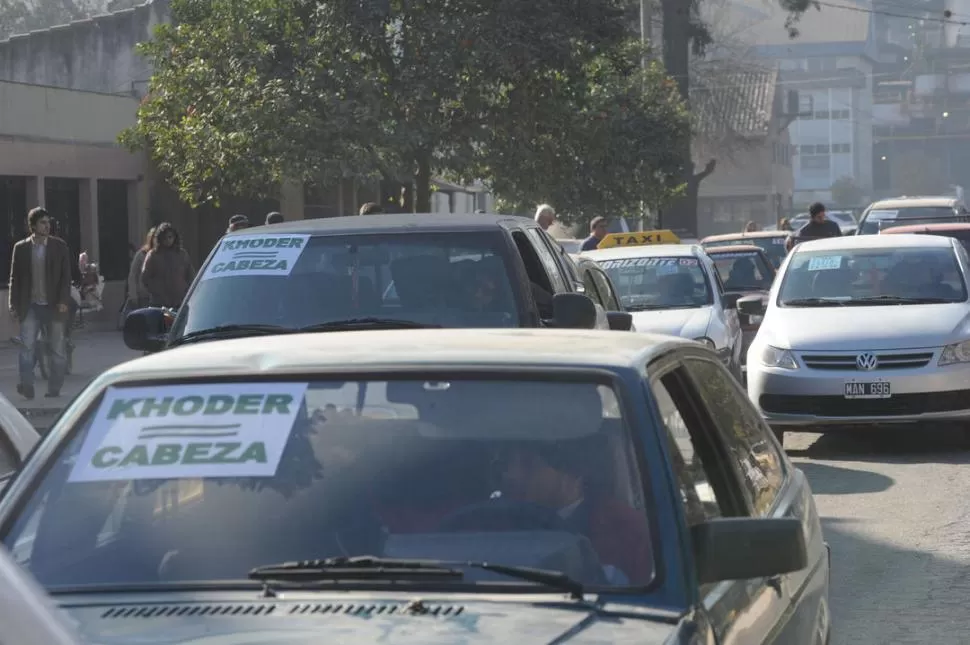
(422, 183)
(682, 212)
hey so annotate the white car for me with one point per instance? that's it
(675, 289)
(27, 613)
(864, 330)
(17, 439)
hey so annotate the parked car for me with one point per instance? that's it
(744, 270)
(17, 438)
(956, 230)
(903, 211)
(402, 486)
(771, 242)
(375, 272)
(28, 615)
(864, 330)
(675, 289)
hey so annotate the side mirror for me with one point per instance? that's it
(738, 548)
(751, 305)
(573, 311)
(730, 300)
(145, 329)
(620, 320)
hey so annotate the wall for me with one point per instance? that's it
(97, 54)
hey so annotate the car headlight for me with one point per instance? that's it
(774, 357)
(707, 342)
(955, 353)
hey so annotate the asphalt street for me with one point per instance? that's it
(895, 506)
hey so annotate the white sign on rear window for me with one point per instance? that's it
(189, 431)
(825, 263)
(256, 255)
(882, 214)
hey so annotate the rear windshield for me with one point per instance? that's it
(447, 279)
(744, 271)
(879, 219)
(773, 246)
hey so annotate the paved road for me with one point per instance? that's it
(895, 505)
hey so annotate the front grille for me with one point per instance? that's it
(837, 406)
(885, 361)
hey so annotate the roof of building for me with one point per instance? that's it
(732, 99)
(345, 351)
(406, 222)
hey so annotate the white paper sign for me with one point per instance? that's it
(825, 263)
(256, 255)
(189, 431)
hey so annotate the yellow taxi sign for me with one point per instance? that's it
(638, 238)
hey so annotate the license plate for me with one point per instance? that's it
(867, 390)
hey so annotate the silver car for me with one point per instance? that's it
(864, 330)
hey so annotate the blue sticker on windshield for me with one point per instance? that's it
(666, 269)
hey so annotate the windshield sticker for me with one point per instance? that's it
(778, 241)
(256, 255)
(667, 269)
(189, 431)
(825, 263)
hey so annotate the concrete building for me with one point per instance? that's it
(742, 124)
(58, 149)
(830, 62)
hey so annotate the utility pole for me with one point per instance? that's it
(645, 17)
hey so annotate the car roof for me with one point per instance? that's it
(916, 228)
(645, 251)
(913, 202)
(912, 240)
(737, 248)
(724, 237)
(409, 222)
(388, 349)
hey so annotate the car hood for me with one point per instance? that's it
(688, 323)
(858, 328)
(346, 620)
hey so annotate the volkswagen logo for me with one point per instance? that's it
(866, 362)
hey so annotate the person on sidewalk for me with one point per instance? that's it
(137, 293)
(237, 222)
(274, 218)
(598, 229)
(371, 208)
(545, 216)
(168, 270)
(40, 295)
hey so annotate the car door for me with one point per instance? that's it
(743, 612)
(557, 273)
(606, 289)
(725, 325)
(17, 439)
(771, 489)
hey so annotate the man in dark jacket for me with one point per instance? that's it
(274, 218)
(40, 295)
(818, 227)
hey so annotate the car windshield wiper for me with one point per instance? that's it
(896, 300)
(230, 331)
(814, 302)
(366, 323)
(369, 567)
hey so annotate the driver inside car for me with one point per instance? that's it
(561, 477)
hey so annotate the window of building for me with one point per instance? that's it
(806, 149)
(841, 148)
(815, 162)
(822, 149)
(821, 115)
(113, 229)
(840, 115)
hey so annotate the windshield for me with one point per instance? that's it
(879, 219)
(743, 271)
(873, 276)
(773, 246)
(202, 482)
(446, 279)
(659, 283)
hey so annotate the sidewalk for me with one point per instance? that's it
(95, 351)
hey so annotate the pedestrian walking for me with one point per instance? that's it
(545, 216)
(237, 222)
(371, 208)
(598, 229)
(749, 227)
(138, 295)
(40, 296)
(168, 270)
(784, 224)
(274, 218)
(818, 227)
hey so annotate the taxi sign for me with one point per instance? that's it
(638, 238)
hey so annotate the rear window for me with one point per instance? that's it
(773, 246)
(447, 279)
(878, 219)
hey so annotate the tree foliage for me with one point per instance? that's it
(542, 99)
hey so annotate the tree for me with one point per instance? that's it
(247, 93)
(846, 193)
(684, 34)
